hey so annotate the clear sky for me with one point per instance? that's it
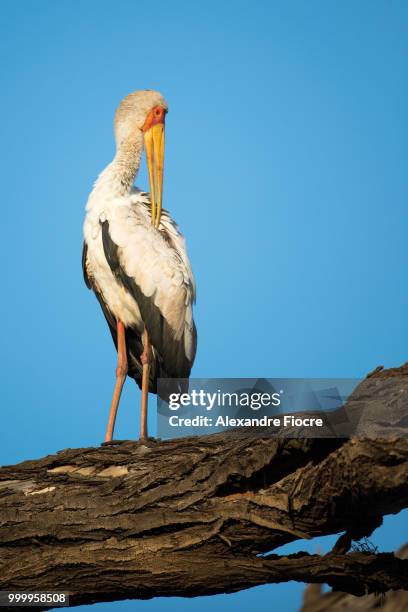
(285, 167)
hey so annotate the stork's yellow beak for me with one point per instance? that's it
(154, 143)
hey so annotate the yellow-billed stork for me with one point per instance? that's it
(134, 258)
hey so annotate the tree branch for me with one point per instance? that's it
(314, 600)
(192, 516)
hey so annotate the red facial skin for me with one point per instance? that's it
(156, 115)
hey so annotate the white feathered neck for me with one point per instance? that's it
(118, 177)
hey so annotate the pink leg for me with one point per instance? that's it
(145, 359)
(121, 372)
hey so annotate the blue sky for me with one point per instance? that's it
(286, 156)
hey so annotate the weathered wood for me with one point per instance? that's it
(315, 600)
(191, 516)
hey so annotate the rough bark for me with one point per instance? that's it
(314, 600)
(201, 515)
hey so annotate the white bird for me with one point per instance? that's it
(135, 260)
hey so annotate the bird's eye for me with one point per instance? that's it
(158, 112)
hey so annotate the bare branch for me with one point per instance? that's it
(315, 600)
(192, 516)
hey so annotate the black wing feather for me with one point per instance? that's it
(170, 353)
(87, 280)
(133, 341)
